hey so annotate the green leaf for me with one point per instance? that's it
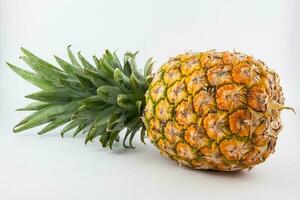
(112, 137)
(80, 128)
(114, 119)
(132, 134)
(31, 124)
(143, 134)
(125, 138)
(47, 73)
(32, 115)
(133, 123)
(85, 63)
(34, 106)
(44, 115)
(31, 77)
(114, 126)
(104, 139)
(60, 95)
(108, 57)
(71, 84)
(138, 79)
(94, 132)
(99, 82)
(67, 67)
(83, 114)
(108, 94)
(116, 60)
(126, 101)
(93, 101)
(56, 123)
(112, 59)
(122, 80)
(91, 114)
(102, 119)
(136, 84)
(70, 126)
(90, 135)
(102, 79)
(148, 68)
(87, 84)
(139, 106)
(104, 116)
(127, 68)
(72, 57)
(41, 62)
(133, 64)
(96, 61)
(106, 68)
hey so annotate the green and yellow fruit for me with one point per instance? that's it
(208, 110)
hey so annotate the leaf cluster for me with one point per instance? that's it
(99, 99)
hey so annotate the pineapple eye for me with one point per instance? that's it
(196, 137)
(190, 66)
(246, 74)
(185, 114)
(195, 82)
(153, 135)
(257, 99)
(240, 123)
(214, 123)
(204, 102)
(172, 75)
(176, 93)
(234, 149)
(230, 97)
(261, 140)
(166, 147)
(149, 111)
(219, 75)
(252, 157)
(155, 125)
(210, 59)
(228, 58)
(173, 131)
(163, 110)
(185, 151)
(157, 91)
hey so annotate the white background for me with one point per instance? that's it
(48, 167)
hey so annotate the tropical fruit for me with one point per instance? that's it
(206, 110)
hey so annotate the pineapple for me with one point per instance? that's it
(208, 110)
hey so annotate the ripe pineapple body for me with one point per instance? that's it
(214, 110)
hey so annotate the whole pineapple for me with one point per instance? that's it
(208, 110)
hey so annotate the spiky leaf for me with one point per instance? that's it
(100, 100)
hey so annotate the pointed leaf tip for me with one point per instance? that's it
(7, 63)
(22, 49)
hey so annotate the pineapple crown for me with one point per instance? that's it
(98, 100)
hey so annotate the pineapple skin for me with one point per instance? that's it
(214, 110)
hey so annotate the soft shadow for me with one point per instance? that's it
(245, 173)
(120, 150)
(233, 174)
